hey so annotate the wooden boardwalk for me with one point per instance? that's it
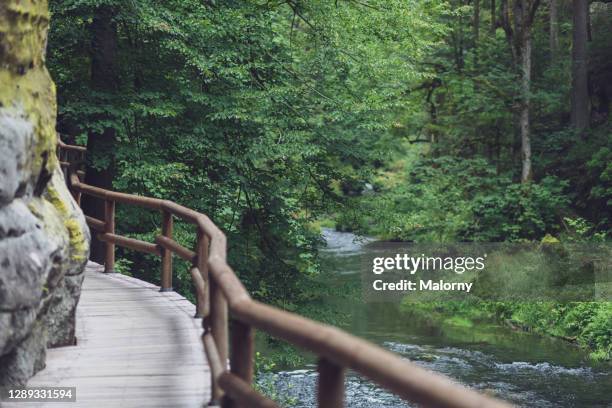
(140, 348)
(136, 347)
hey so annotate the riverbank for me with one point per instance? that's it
(588, 325)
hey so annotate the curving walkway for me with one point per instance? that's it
(136, 347)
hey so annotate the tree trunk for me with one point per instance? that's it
(525, 108)
(554, 28)
(518, 25)
(100, 145)
(458, 40)
(580, 91)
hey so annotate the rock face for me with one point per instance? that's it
(44, 241)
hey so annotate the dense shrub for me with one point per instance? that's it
(448, 199)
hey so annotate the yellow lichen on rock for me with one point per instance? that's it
(54, 198)
(78, 242)
(25, 24)
(26, 84)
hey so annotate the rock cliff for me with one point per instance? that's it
(44, 241)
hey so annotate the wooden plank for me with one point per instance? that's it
(135, 347)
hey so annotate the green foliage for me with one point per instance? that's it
(123, 266)
(246, 111)
(447, 199)
(589, 324)
(581, 230)
(600, 170)
(519, 211)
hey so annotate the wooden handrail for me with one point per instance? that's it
(75, 148)
(218, 290)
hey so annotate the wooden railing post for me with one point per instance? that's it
(109, 228)
(166, 264)
(243, 350)
(242, 356)
(218, 327)
(203, 305)
(331, 384)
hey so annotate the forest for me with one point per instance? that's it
(405, 120)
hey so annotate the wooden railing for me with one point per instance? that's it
(220, 295)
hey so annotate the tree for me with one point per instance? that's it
(554, 27)
(580, 89)
(517, 26)
(101, 140)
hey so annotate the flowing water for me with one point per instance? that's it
(525, 369)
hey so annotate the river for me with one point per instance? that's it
(523, 368)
